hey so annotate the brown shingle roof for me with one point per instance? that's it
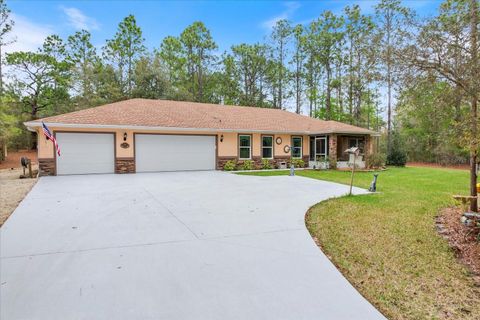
(193, 115)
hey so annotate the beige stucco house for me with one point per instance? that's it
(141, 135)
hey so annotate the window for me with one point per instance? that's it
(296, 147)
(267, 147)
(356, 142)
(320, 148)
(245, 146)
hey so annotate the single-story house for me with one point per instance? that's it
(142, 135)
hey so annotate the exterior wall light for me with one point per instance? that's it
(125, 136)
(221, 138)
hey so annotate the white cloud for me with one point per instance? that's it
(290, 8)
(270, 23)
(28, 35)
(79, 20)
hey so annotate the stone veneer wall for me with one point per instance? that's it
(368, 150)
(125, 165)
(332, 150)
(46, 167)
(257, 161)
(306, 159)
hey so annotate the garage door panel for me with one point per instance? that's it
(174, 152)
(85, 153)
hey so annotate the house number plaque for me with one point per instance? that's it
(125, 145)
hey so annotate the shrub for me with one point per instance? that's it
(298, 163)
(266, 164)
(376, 160)
(397, 157)
(230, 165)
(247, 165)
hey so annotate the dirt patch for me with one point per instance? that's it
(12, 190)
(462, 238)
(13, 158)
(436, 165)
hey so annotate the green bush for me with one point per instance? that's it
(375, 160)
(266, 164)
(230, 165)
(298, 163)
(397, 157)
(247, 165)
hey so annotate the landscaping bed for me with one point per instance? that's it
(386, 244)
(13, 190)
(462, 238)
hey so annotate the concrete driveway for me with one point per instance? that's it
(186, 245)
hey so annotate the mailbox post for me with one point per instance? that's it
(355, 151)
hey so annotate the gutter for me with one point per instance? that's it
(32, 125)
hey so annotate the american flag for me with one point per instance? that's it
(50, 137)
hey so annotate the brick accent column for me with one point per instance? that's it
(332, 150)
(125, 165)
(306, 160)
(368, 150)
(46, 167)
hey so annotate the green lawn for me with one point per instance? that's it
(387, 246)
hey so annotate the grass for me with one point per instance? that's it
(387, 246)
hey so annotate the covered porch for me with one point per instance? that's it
(328, 151)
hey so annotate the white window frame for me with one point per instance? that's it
(263, 147)
(249, 147)
(301, 147)
(323, 154)
(357, 142)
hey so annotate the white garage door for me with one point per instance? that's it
(84, 153)
(174, 152)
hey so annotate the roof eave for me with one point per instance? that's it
(32, 125)
(371, 133)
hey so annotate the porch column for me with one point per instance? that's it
(369, 149)
(332, 150)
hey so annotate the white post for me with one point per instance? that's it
(353, 171)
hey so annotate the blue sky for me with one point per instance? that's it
(230, 22)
